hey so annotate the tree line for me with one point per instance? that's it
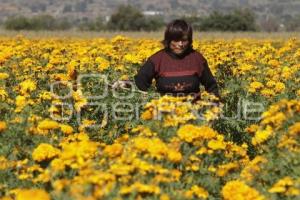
(129, 18)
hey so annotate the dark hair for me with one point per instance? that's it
(175, 30)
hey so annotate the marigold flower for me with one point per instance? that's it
(2, 126)
(32, 194)
(255, 86)
(44, 152)
(174, 156)
(286, 186)
(236, 190)
(20, 103)
(3, 76)
(66, 129)
(189, 133)
(113, 150)
(48, 124)
(27, 86)
(3, 94)
(262, 135)
(198, 191)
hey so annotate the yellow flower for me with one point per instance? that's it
(275, 118)
(2, 126)
(140, 188)
(147, 115)
(60, 184)
(124, 77)
(4, 163)
(253, 167)
(267, 93)
(57, 164)
(71, 69)
(298, 92)
(113, 150)
(45, 95)
(103, 64)
(274, 63)
(252, 128)
(132, 58)
(48, 124)
(174, 156)
(255, 86)
(32, 194)
(5, 198)
(212, 169)
(223, 170)
(279, 87)
(3, 94)
(277, 189)
(189, 133)
(198, 191)
(216, 144)
(292, 192)
(44, 152)
(154, 146)
(80, 100)
(76, 150)
(121, 169)
(3, 76)
(271, 84)
(143, 131)
(20, 103)
(164, 197)
(262, 135)
(237, 190)
(294, 129)
(286, 186)
(27, 87)
(66, 129)
(27, 62)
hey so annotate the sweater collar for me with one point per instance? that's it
(178, 56)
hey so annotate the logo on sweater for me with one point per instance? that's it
(178, 87)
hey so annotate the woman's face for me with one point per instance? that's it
(179, 46)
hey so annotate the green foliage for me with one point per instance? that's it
(93, 25)
(293, 24)
(17, 23)
(40, 22)
(239, 20)
(235, 21)
(128, 18)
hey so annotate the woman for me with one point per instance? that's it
(178, 69)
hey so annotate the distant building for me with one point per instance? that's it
(106, 18)
(151, 13)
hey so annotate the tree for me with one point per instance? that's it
(153, 23)
(293, 24)
(81, 6)
(195, 21)
(39, 22)
(238, 20)
(126, 18)
(129, 18)
(93, 25)
(42, 22)
(17, 23)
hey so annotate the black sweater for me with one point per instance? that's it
(176, 74)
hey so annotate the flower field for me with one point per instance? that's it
(66, 131)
